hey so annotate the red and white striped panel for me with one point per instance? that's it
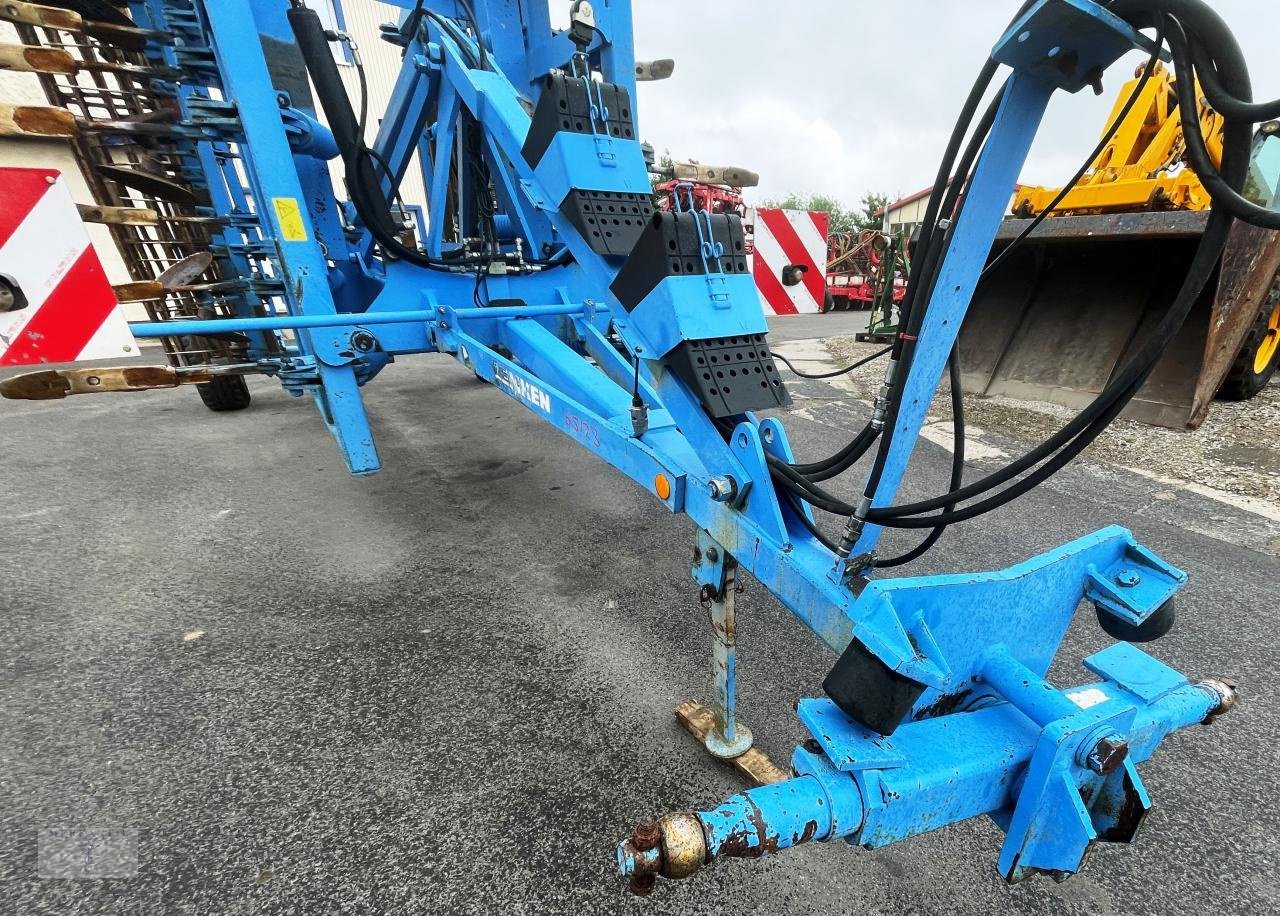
(64, 309)
(783, 238)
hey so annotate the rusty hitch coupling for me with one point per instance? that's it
(673, 847)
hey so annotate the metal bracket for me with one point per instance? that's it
(1063, 808)
(1134, 586)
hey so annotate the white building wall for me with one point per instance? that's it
(382, 66)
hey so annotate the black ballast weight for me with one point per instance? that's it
(733, 374)
(670, 245)
(564, 106)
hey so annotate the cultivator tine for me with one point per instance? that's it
(57, 62)
(27, 59)
(118, 216)
(151, 185)
(185, 271)
(127, 37)
(55, 384)
(142, 142)
(139, 290)
(40, 122)
(44, 17)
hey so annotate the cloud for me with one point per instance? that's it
(849, 97)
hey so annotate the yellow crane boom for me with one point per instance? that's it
(1141, 168)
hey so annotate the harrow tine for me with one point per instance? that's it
(139, 291)
(151, 185)
(44, 17)
(57, 62)
(55, 384)
(40, 122)
(117, 34)
(118, 216)
(28, 59)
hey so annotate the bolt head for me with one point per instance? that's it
(1128, 578)
(647, 834)
(1108, 755)
(722, 488)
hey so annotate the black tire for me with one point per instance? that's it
(228, 392)
(1247, 377)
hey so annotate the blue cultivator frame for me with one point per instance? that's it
(564, 310)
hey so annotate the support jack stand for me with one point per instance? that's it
(717, 726)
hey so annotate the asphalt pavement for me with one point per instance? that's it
(448, 688)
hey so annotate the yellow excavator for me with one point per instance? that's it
(1053, 320)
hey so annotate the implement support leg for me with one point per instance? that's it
(717, 725)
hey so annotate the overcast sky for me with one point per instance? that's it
(848, 97)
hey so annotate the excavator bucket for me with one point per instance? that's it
(1057, 318)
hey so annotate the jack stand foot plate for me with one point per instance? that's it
(699, 721)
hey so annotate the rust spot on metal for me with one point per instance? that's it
(49, 17)
(943, 705)
(647, 834)
(1249, 271)
(739, 842)
(50, 60)
(139, 291)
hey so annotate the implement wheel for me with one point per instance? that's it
(1258, 358)
(227, 392)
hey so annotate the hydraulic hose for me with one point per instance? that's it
(957, 465)
(1224, 103)
(1076, 435)
(1126, 384)
(1235, 132)
(1067, 188)
(308, 31)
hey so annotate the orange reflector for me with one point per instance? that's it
(662, 486)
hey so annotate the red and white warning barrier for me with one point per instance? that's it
(56, 305)
(790, 260)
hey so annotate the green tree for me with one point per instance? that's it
(866, 216)
(842, 218)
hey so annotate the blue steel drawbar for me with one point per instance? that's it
(546, 270)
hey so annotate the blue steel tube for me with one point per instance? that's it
(1035, 697)
(911, 799)
(748, 825)
(199, 327)
(769, 818)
